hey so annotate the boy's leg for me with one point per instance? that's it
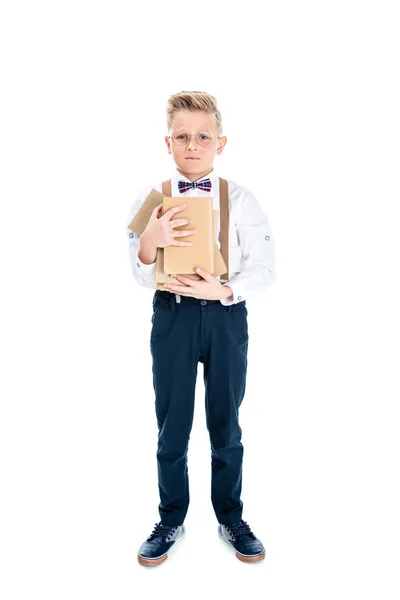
(225, 369)
(174, 346)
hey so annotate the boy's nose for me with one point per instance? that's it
(192, 141)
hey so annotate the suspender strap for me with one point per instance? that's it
(166, 188)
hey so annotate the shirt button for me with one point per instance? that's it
(203, 302)
(138, 264)
(239, 297)
(131, 234)
(267, 237)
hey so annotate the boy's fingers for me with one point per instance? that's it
(184, 279)
(205, 275)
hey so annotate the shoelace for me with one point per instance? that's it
(161, 530)
(240, 528)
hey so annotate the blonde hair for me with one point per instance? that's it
(193, 101)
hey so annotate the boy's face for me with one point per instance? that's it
(194, 122)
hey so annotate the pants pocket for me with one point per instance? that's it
(243, 307)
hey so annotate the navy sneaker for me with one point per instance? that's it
(155, 549)
(242, 539)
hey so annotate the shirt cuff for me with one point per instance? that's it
(234, 299)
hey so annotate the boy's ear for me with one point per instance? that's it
(167, 141)
(221, 144)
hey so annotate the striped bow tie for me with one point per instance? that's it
(183, 186)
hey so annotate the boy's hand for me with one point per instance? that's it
(160, 231)
(209, 288)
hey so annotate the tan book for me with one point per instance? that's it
(139, 224)
(142, 217)
(185, 259)
(219, 262)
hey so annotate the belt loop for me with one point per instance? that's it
(229, 307)
(172, 301)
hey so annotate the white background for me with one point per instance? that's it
(309, 95)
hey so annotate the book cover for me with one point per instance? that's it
(185, 259)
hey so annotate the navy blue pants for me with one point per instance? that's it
(182, 335)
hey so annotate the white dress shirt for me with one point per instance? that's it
(251, 244)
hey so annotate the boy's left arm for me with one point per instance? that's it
(258, 253)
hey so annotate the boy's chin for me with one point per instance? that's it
(191, 165)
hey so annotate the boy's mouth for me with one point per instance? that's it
(192, 158)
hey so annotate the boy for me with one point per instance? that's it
(202, 321)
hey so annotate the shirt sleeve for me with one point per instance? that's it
(258, 253)
(144, 274)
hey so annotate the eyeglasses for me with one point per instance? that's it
(203, 138)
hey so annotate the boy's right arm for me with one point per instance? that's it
(148, 252)
(143, 268)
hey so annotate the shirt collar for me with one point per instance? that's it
(211, 175)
